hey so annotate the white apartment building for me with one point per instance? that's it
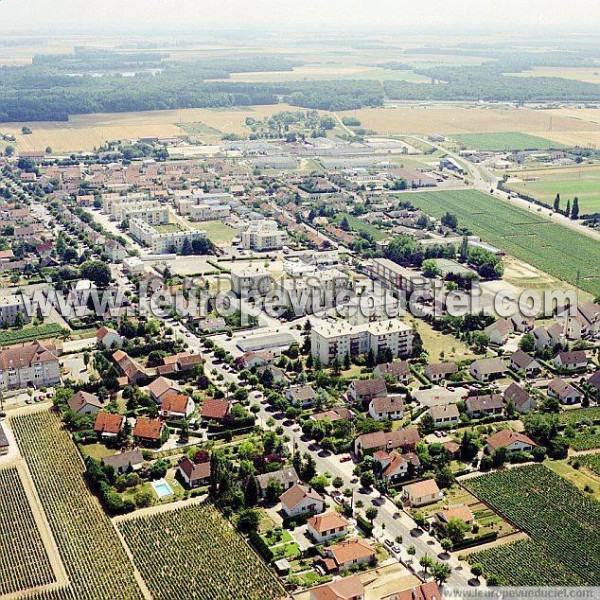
(10, 307)
(161, 243)
(340, 338)
(246, 279)
(29, 365)
(396, 276)
(208, 212)
(153, 215)
(263, 235)
(314, 293)
(111, 201)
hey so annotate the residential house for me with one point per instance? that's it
(435, 372)
(287, 478)
(337, 413)
(548, 337)
(215, 410)
(132, 372)
(523, 401)
(594, 383)
(405, 439)
(425, 591)
(484, 406)
(301, 500)
(362, 391)
(109, 338)
(452, 448)
(460, 511)
(397, 370)
(84, 403)
(521, 361)
(302, 395)
(444, 415)
(249, 360)
(346, 588)
(124, 462)
(193, 474)
(148, 430)
(487, 369)
(395, 466)
(521, 323)
(350, 553)
(499, 331)
(177, 407)
(422, 492)
(571, 361)
(387, 407)
(564, 392)
(162, 386)
(327, 526)
(511, 440)
(108, 425)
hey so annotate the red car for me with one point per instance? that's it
(345, 458)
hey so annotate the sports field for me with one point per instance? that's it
(217, 232)
(504, 141)
(544, 184)
(550, 247)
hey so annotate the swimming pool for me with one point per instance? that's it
(162, 488)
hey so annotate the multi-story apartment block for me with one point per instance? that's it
(10, 307)
(29, 365)
(263, 235)
(162, 243)
(250, 279)
(331, 340)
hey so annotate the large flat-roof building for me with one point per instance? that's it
(162, 242)
(338, 339)
(10, 307)
(263, 235)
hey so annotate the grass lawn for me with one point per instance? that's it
(271, 539)
(580, 479)
(504, 140)
(435, 343)
(168, 228)
(522, 233)
(97, 451)
(582, 182)
(217, 231)
(357, 225)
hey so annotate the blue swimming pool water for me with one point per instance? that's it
(162, 488)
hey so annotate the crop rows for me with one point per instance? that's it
(24, 563)
(194, 552)
(30, 333)
(524, 563)
(504, 140)
(577, 415)
(95, 561)
(586, 440)
(591, 461)
(561, 521)
(523, 234)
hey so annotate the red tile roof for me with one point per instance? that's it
(108, 423)
(215, 409)
(149, 429)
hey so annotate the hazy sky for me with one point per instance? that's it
(201, 14)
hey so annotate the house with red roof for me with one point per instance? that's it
(177, 406)
(325, 527)
(108, 425)
(511, 440)
(193, 474)
(215, 410)
(148, 431)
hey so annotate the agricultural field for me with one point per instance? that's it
(586, 74)
(591, 462)
(193, 552)
(449, 120)
(581, 478)
(359, 226)
(570, 182)
(578, 415)
(24, 562)
(586, 440)
(217, 232)
(524, 563)
(521, 233)
(504, 141)
(28, 334)
(560, 520)
(96, 564)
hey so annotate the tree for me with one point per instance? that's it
(344, 224)
(371, 513)
(441, 572)
(367, 479)
(456, 529)
(568, 209)
(477, 570)
(251, 492)
(420, 519)
(557, 203)
(273, 491)
(248, 520)
(430, 268)
(426, 424)
(9, 150)
(575, 209)
(446, 544)
(449, 220)
(464, 249)
(96, 271)
(527, 343)
(426, 562)
(337, 483)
